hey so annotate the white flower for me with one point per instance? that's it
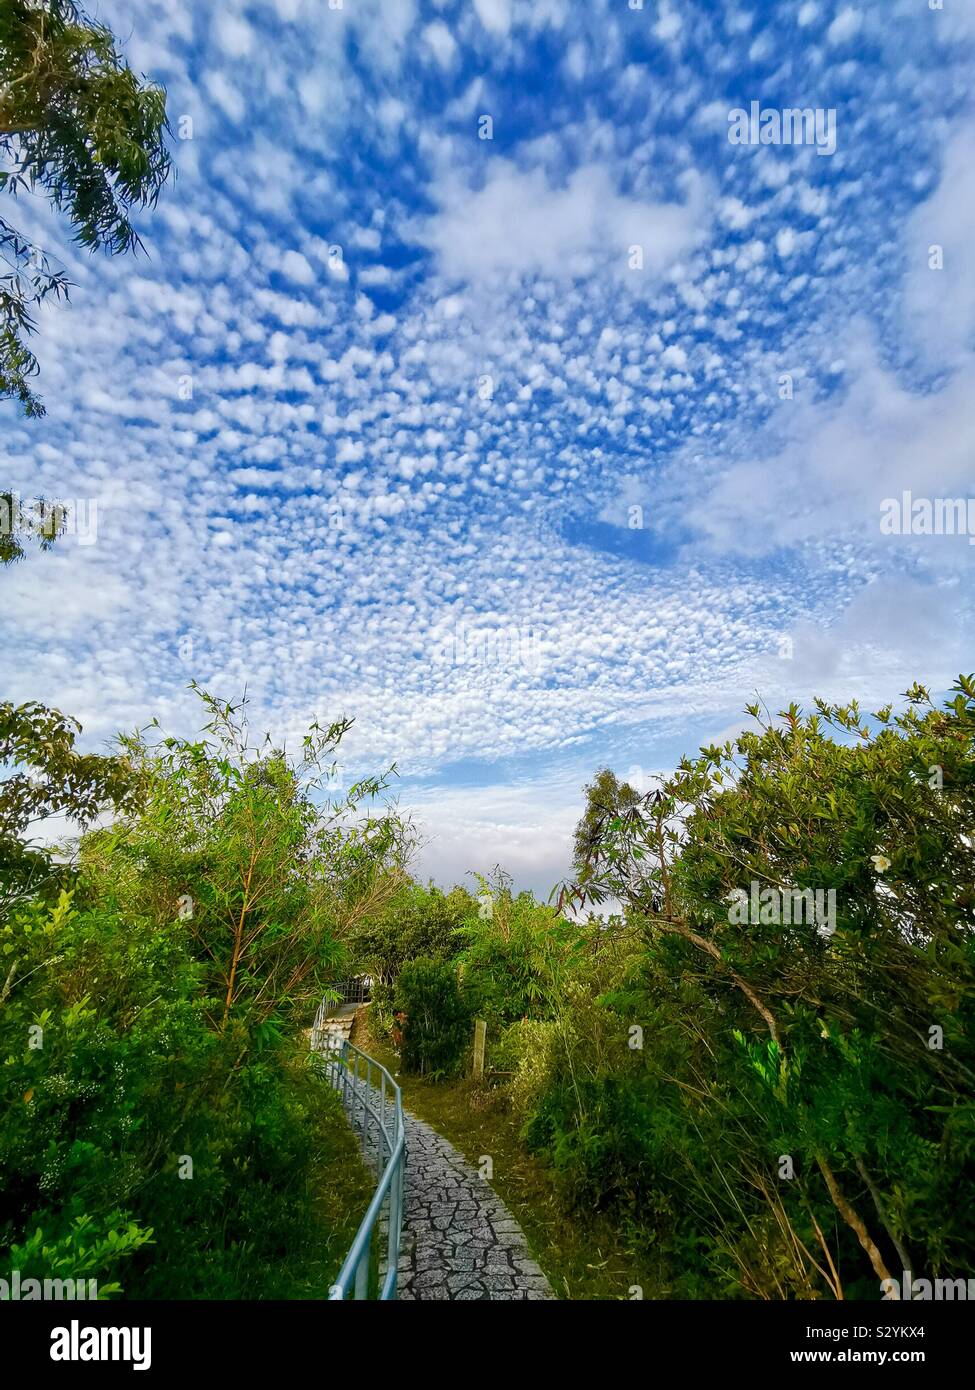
(880, 862)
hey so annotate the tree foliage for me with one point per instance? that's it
(47, 776)
(234, 839)
(79, 125)
(800, 1111)
(437, 1025)
(162, 1130)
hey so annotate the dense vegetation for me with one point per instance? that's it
(762, 1103)
(162, 1131)
(767, 1107)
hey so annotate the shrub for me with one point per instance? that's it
(530, 1050)
(437, 1032)
(516, 954)
(162, 1130)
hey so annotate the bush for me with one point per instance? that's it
(162, 1129)
(138, 1147)
(516, 953)
(529, 1050)
(437, 1031)
(417, 920)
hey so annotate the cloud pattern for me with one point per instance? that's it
(476, 385)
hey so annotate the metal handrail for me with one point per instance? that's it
(356, 990)
(364, 1101)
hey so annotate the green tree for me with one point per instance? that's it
(416, 920)
(77, 123)
(516, 954)
(437, 1026)
(800, 1112)
(610, 804)
(234, 839)
(150, 1016)
(47, 776)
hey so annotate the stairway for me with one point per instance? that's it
(337, 1028)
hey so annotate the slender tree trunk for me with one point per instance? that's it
(878, 1202)
(853, 1220)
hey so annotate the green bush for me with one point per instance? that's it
(437, 1031)
(515, 955)
(417, 920)
(137, 1146)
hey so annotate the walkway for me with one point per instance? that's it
(459, 1239)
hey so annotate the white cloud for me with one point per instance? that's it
(940, 304)
(827, 467)
(525, 827)
(227, 97)
(234, 35)
(785, 241)
(441, 42)
(668, 25)
(495, 15)
(845, 26)
(295, 266)
(519, 222)
(375, 275)
(735, 214)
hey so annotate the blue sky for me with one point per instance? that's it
(392, 421)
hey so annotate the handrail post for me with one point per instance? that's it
(395, 1217)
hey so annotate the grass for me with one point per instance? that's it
(338, 1190)
(584, 1256)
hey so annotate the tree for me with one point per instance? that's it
(148, 1014)
(610, 804)
(840, 1042)
(416, 921)
(436, 1029)
(233, 841)
(48, 776)
(76, 122)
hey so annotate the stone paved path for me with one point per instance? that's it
(459, 1239)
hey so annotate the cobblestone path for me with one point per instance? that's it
(459, 1239)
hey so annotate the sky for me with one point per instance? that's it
(477, 383)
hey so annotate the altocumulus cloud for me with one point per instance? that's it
(381, 381)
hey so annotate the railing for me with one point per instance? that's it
(324, 1009)
(355, 991)
(376, 1113)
